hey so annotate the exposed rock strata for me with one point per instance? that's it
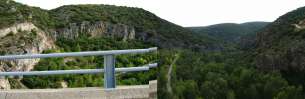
(23, 38)
(96, 29)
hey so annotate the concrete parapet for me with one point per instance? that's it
(121, 92)
(153, 89)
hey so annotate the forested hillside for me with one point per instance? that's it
(280, 47)
(88, 28)
(270, 68)
(147, 25)
(221, 75)
(192, 65)
(231, 33)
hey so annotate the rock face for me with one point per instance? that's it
(23, 38)
(17, 27)
(96, 29)
(26, 38)
(281, 45)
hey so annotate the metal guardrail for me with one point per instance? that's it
(109, 64)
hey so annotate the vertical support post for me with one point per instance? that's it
(109, 74)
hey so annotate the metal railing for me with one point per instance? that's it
(109, 64)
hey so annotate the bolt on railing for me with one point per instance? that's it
(109, 64)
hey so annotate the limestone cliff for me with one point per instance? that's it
(23, 38)
(96, 29)
(26, 38)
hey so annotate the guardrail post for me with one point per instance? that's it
(109, 68)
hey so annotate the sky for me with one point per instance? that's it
(195, 12)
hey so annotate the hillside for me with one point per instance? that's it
(147, 26)
(191, 65)
(25, 29)
(230, 32)
(280, 46)
(240, 73)
(225, 74)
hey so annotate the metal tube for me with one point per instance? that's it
(109, 69)
(153, 65)
(54, 72)
(82, 71)
(132, 70)
(70, 54)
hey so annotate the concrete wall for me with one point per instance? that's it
(121, 92)
(153, 89)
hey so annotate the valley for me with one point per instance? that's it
(252, 60)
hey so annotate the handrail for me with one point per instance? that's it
(82, 71)
(109, 64)
(73, 54)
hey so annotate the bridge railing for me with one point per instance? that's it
(109, 64)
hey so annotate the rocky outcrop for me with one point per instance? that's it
(17, 27)
(23, 38)
(281, 45)
(299, 26)
(96, 29)
(26, 38)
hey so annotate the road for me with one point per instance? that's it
(169, 73)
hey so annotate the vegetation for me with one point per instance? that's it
(231, 35)
(168, 34)
(237, 74)
(220, 75)
(12, 13)
(92, 62)
(195, 66)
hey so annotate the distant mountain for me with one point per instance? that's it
(230, 32)
(281, 45)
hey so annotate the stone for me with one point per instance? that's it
(13, 44)
(121, 92)
(96, 29)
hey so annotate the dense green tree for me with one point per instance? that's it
(92, 62)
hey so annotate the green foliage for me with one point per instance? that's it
(92, 44)
(291, 92)
(168, 34)
(200, 72)
(15, 84)
(281, 44)
(155, 29)
(12, 13)
(218, 75)
(230, 32)
(231, 35)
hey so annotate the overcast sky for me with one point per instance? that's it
(195, 12)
